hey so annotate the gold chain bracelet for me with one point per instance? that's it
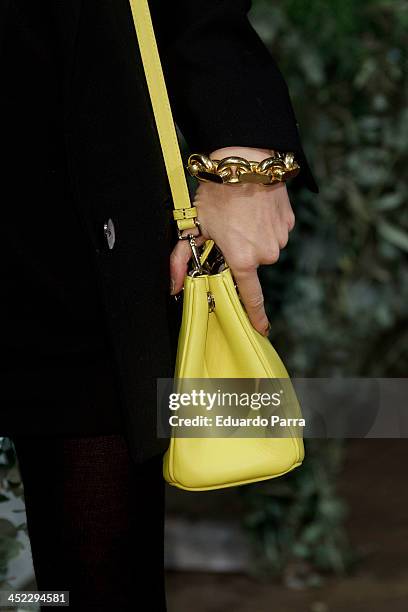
(280, 167)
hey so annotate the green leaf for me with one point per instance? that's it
(393, 234)
(390, 201)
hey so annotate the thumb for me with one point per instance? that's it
(179, 258)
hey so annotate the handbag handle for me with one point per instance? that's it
(184, 213)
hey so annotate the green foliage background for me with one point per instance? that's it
(338, 298)
(10, 487)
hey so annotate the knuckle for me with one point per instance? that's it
(243, 263)
(283, 240)
(272, 254)
(291, 221)
(256, 302)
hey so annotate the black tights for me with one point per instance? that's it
(95, 521)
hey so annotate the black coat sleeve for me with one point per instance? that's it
(224, 86)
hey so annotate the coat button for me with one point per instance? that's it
(109, 231)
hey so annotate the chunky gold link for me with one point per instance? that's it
(234, 169)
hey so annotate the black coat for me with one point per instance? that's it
(82, 152)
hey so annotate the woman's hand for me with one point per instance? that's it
(249, 222)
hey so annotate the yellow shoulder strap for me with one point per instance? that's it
(183, 213)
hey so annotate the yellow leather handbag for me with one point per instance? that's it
(216, 338)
